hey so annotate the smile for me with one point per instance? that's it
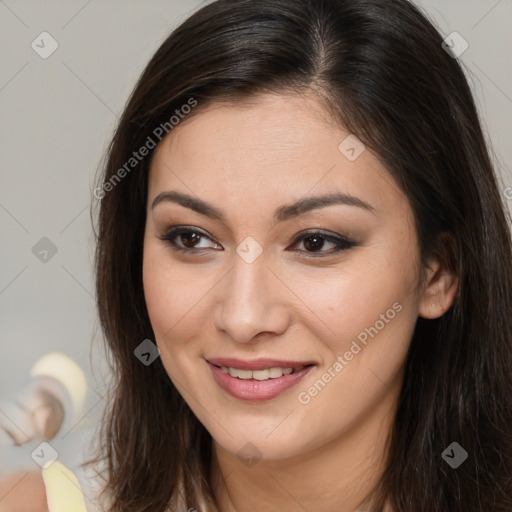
(257, 381)
(270, 373)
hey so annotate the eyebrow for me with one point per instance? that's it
(281, 214)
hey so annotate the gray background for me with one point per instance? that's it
(57, 115)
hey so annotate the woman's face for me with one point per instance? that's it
(263, 275)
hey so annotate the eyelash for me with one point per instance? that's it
(342, 243)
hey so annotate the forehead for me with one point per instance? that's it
(266, 147)
(267, 129)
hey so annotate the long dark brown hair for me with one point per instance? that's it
(380, 69)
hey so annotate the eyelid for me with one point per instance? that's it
(175, 231)
(342, 242)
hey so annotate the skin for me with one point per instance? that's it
(23, 491)
(249, 158)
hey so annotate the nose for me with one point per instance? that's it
(251, 302)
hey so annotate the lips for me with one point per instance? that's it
(258, 364)
(236, 376)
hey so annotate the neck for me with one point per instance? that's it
(339, 476)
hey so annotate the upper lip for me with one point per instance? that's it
(256, 364)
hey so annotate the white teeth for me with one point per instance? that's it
(270, 373)
(274, 373)
(242, 374)
(261, 374)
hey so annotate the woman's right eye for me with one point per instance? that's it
(186, 239)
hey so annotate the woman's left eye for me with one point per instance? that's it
(187, 239)
(315, 242)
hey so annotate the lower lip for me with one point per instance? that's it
(252, 390)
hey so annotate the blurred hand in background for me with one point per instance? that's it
(23, 491)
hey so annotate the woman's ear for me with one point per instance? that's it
(439, 288)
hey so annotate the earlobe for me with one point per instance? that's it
(438, 292)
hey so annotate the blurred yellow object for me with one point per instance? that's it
(63, 490)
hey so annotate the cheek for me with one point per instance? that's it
(362, 294)
(170, 292)
(163, 291)
(158, 295)
(369, 312)
(176, 300)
